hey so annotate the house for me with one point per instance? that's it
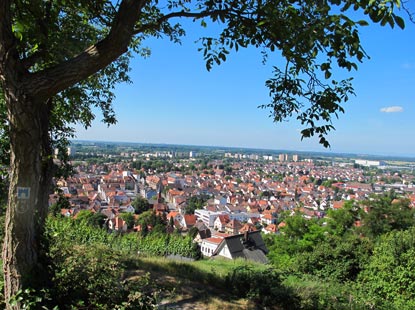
(176, 217)
(203, 232)
(220, 200)
(221, 221)
(127, 208)
(67, 212)
(109, 213)
(188, 221)
(208, 246)
(148, 192)
(248, 245)
(270, 229)
(172, 193)
(160, 208)
(254, 220)
(247, 227)
(338, 204)
(267, 218)
(117, 224)
(233, 227)
(206, 216)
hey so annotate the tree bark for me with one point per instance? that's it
(30, 183)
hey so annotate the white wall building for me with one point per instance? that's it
(209, 246)
(207, 217)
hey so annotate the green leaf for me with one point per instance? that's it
(362, 23)
(18, 29)
(327, 75)
(399, 21)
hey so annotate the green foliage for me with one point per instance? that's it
(128, 218)
(315, 294)
(335, 265)
(68, 231)
(389, 278)
(386, 213)
(342, 220)
(333, 272)
(62, 203)
(30, 299)
(88, 267)
(159, 165)
(97, 219)
(312, 39)
(195, 202)
(163, 244)
(88, 276)
(306, 233)
(263, 287)
(336, 259)
(93, 277)
(91, 218)
(296, 226)
(155, 222)
(140, 205)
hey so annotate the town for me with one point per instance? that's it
(230, 197)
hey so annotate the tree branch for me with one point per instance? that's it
(46, 83)
(166, 17)
(7, 39)
(408, 11)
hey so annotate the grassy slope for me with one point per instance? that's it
(193, 285)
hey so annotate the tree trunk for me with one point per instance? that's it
(30, 183)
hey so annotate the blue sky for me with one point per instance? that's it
(174, 100)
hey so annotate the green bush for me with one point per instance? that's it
(87, 276)
(263, 287)
(316, 294)
(30, 299)
(388, 280)
(89, 266)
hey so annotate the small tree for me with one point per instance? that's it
(140, 205)
(128, 218)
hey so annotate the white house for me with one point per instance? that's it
(221, 221)
(207, 217)
(117, 224)
(128, 208)
(248, 245)
(209, 246)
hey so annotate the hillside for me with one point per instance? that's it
(187, 287)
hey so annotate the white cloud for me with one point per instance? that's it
(392, 109)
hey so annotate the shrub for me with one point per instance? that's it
(263, 287)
